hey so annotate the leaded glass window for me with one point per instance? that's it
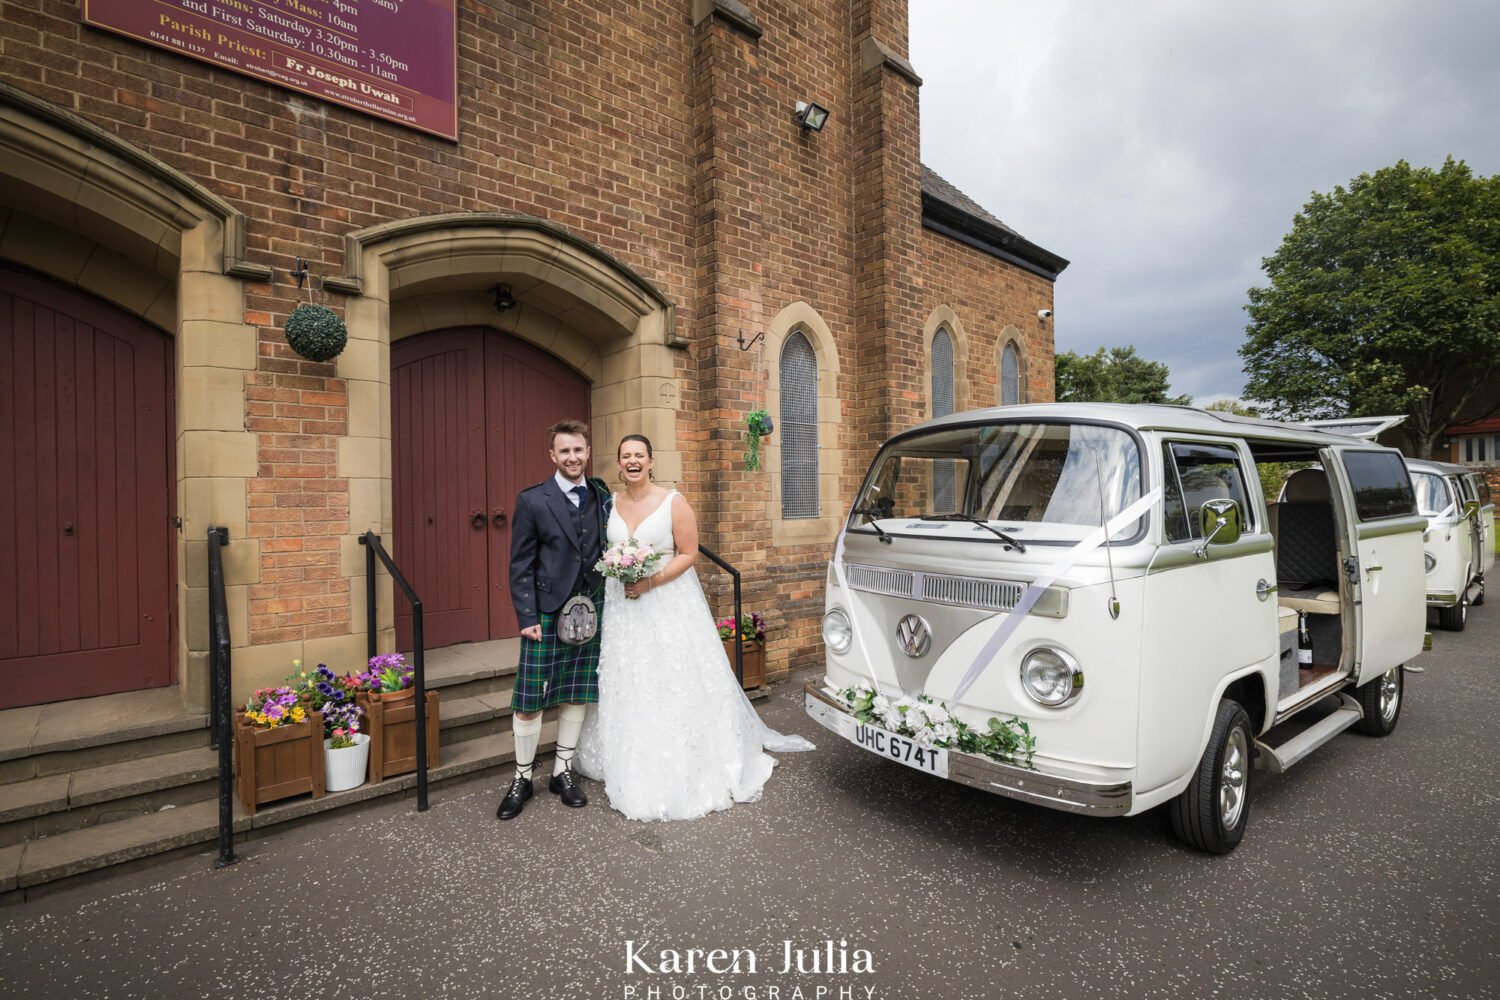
(798, 427)
(1010, 375)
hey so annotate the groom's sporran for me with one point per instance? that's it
(578, 621)
(557, 537)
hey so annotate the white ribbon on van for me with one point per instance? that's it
(1039, 586)
(838, 571)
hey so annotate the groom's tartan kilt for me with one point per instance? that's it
(553, 673)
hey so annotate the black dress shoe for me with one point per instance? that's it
(566, 787)
(515, 799)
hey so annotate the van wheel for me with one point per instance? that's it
(1212, 811)
(1381, 699)
(1455, 618)
(1479, 597)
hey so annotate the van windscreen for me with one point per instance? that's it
(1432, 494)
(1040, 481)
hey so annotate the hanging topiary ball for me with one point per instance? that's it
(316, 332)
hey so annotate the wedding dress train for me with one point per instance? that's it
(673, 735)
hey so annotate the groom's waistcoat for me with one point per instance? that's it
(553, 548)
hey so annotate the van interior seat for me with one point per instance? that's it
(1307, 553)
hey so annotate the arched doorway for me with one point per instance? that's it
(469, 411)
(85, 496)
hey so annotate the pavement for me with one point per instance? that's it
(1369, 870)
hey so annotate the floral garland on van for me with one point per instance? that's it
(927, 721)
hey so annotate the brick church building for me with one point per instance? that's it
(613, 211)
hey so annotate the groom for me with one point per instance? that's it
(557, 535)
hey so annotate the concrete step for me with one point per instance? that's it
(40, 807)
(49, 860)
(471, 718)
(57, 803)
(68, 736)
(471, 668)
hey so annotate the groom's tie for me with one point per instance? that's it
(578, 491)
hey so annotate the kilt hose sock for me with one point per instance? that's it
(528, 733)
(569, 726)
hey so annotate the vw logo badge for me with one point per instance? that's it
(915, 636)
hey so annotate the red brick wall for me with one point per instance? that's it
(670, 145)
(297, 506)
(988, 297)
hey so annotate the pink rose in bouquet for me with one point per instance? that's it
(629, 561)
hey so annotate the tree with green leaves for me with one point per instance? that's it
(1113, 375)
(1384, 298)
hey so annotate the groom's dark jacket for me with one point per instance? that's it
(554, 546)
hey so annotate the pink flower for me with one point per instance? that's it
(628, 561)
(339, 732)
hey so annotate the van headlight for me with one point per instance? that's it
(1430, 561)
(837, 632)
(1051, 677)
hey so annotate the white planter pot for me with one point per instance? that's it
(345, 769)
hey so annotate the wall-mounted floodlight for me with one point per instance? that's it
(811, 115)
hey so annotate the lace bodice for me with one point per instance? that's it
(655, 530)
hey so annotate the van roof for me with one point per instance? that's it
(1438, 468)
(1154, 416)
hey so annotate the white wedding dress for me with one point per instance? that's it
(673, 736)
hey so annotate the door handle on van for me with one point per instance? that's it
(1264, 590)
(1373, 569)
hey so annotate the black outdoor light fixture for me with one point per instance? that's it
(503, 299)
(811, 115)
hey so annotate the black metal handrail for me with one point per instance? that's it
(739, 639)
(221, 728)
(373, 548)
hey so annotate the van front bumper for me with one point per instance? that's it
(1441, 599)
(1065, 792)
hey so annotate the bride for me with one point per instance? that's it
(673, 736)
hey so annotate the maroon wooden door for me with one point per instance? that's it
(469, 413)
(438, 484)
(527, 391)
(85, 496)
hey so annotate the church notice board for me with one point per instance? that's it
(394, 59)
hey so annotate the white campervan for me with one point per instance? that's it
(1459, 541)
(996, 560)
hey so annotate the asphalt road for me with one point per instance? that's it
(1369, 870)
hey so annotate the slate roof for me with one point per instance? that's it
(947, 210)
(937, 187)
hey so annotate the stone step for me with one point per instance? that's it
(57, 803)
(66, 736)
(471, 718)
(68, 855)
(53, 804)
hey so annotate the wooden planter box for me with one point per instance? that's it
(391, 721)
(755, 663)
(273, 764)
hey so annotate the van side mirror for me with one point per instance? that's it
(1471, 509)
(1220, 523)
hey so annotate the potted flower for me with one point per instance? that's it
(384, 691)
(346, 755)
(753, 635)
(346, 750)
(278, 746)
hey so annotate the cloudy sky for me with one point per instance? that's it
(1163, 146)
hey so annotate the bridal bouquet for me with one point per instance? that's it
(629, 561)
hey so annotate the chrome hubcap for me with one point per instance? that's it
(1390, 693)
(1232, 779)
